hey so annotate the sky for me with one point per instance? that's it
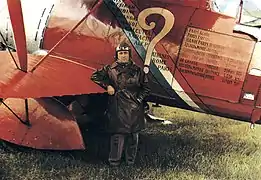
(257, 2)
(229, 7)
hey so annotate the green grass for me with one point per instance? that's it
(196, 146)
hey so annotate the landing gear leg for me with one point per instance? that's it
(256, 114)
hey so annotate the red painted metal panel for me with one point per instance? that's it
(54, 77)
(16, 16)
(204, 4)
(225, 108)
(214, 64)
(52, 126)
(214, 21)
(251, 86)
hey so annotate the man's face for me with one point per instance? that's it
(123, 56)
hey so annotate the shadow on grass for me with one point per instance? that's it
(163, 146)
(3, 173)
(176, 146)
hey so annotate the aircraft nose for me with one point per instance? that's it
(36, 14)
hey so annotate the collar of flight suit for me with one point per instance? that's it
(115, 64)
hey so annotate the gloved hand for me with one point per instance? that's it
(110, 90)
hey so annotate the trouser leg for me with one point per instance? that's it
(116, 148)
(131, 147)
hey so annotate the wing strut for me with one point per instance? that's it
(65, 36)
(26, 122)
(240, 11)
(16, 16)
(8, 48)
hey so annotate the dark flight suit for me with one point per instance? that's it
(125, 108)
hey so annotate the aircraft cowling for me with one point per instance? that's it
(52, 126)
(34, 24)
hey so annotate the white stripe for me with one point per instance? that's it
(166, 73)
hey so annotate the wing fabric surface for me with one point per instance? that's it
(54, 77)
(53, 126)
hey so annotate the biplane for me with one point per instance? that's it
(200, 55)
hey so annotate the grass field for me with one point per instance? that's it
(196, 146)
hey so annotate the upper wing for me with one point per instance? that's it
(54, 77)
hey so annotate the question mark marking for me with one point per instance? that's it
(169, 22)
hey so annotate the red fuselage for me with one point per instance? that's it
(201, 64)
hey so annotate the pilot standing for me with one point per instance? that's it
(127, 86)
